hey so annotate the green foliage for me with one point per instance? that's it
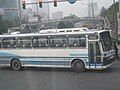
(103, 12)
(2, 29)
(114, 40)
(110, 13)
(72, 18)
(65, 24)
(112, 10)
(68, 22)
(5, 24)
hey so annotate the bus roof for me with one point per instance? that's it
(67, 31)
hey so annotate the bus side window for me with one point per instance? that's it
(5, 43)
(20, 43)
(9, 43)
(77, 41)
(82, 41)
(40, 42)
(27, 43)
(73, 41)
(12, 43)
(35, 42)
(24, 42)
(0, 43)
(43, 42)
(60, 41)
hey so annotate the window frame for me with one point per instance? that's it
(60, 39)
(40, 38)
(79, 45)
(9, 42)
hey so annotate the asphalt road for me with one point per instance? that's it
(60, 79)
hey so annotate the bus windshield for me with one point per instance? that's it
(106, 41)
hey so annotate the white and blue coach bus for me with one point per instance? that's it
(76, 48)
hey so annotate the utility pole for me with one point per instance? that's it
(19, 11)
(48, 12)
(89, 10)
(93, 18)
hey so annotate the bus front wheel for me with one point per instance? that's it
(16, 65)
(78, 66)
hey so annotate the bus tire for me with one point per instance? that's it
(16, 65)
(78, 66)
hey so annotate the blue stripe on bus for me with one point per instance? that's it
(9, 55)
(46, 62)
(94, 64)
(41, 60)
(83, 55)
(4, 62)
(6, 54)
(71, 54)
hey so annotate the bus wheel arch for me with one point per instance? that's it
(78, 65)
(15, 64)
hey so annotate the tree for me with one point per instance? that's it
(110, 13)
(61, 24)
(112, 10)
(65, 24)
(103, 12)
(72, 18)
(5, 24)
(2, 29)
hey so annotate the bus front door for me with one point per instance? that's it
(94, 54)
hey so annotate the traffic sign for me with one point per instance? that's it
(71, 1)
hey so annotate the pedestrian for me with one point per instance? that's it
(116, 51)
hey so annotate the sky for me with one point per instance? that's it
(79, 8)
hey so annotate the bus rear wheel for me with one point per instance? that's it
(78, 66)
(16, 65)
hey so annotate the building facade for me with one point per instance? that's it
(57, 15)
(44, 11)
(9, 9)
(93, 9)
